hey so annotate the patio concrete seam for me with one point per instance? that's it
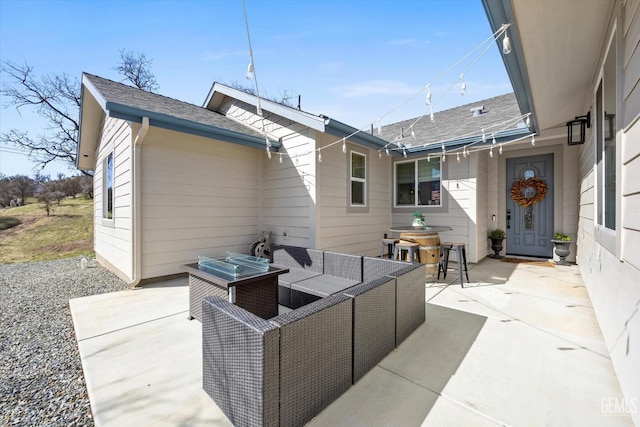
(439, 394)
(132, 326)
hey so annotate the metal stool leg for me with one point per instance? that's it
(464, 258)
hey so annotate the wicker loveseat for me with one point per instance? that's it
(285, 370)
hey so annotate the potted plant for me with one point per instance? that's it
(562, 244)
(496, 236)
(418, 219)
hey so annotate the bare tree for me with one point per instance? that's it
(22, 187)
(136, 69)
(283, 98)
(56, 98)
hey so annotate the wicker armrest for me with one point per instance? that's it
(315, 357)
(297, 257)
(343, 265)
(373, 268)
(410, 300)
(240, 363)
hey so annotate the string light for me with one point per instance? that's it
(268, 153)
(484, 137)
(491, 152)
(250, 71)
(494, 139)
(500, 150)
(431, 115)
(387, 151)
(413, 133)
(428, 100)
(379, 128)
(458, 157)
(463, 86)
(533, 140)
(464, 151)
(404, 152)
(428, 157)
(319, 156)
(444, 158)
(506, 42)
(379, 154)
(280, 159)
(528, 120)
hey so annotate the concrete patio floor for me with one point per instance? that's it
(519, 345)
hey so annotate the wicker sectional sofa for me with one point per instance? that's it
(349, 313)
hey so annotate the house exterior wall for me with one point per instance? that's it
(198, 197)
(112, 239)
(288, 196)
(610, 261)
(340, 227)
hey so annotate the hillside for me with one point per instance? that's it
(66, 233)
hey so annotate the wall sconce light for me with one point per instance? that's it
(609, 126)
(576, 129)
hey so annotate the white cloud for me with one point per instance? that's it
(374, 87)
(400, 42)
(218, 56)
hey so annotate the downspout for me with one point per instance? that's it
(136, 232)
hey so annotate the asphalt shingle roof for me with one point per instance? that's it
(457, 122)
(130, 96)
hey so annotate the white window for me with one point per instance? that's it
(418, 183)
(358, 179)
(108, 195)
(605, 112)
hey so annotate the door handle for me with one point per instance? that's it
(508, 218)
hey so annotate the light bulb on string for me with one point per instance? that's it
(506, 43)
(280, 159)
(494, 140)
(428, 100)
(344, 146)
(463, 86)
(404, 152)
(319, 156)
(386, 149)
(484, 137)
(533, 140)
(379, 154)
(491, 152)
(528, 120)
(500, 150)
(458, 157)
(413, 133)
(379, 127)
(429, 157)
(268, 153)
(444, 157)
(464, 151)
(250, 71)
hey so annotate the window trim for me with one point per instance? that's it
(444, 194)
(106, 221)
(351, 208)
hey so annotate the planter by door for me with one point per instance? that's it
(563, 249)
(496, 247)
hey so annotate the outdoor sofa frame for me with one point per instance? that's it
(284, 370)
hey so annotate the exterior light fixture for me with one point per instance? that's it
(609, 126)
(576, 129)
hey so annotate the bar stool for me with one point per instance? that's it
(412, 248)
(461, 255)
(389, 243)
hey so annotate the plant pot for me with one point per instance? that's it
(496, 247)
(418, 223)
(562, 249)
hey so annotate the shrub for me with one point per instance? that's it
(7, 222)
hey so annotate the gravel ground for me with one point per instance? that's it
(41, 378)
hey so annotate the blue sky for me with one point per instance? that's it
(352, 60)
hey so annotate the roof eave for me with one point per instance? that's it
(504, 136)
(499, 12)
(342, 130)
(164, 121)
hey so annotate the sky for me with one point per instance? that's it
(352, 60)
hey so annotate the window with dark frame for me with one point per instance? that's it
(107, 174)
(418, 182)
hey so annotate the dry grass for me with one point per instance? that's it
(66, 233)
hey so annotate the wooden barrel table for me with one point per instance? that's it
(429, 241)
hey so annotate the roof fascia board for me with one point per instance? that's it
(501, 137)
(500, 12)
(314, 122)
(86, 83)
(164, 121)
(342, 130)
